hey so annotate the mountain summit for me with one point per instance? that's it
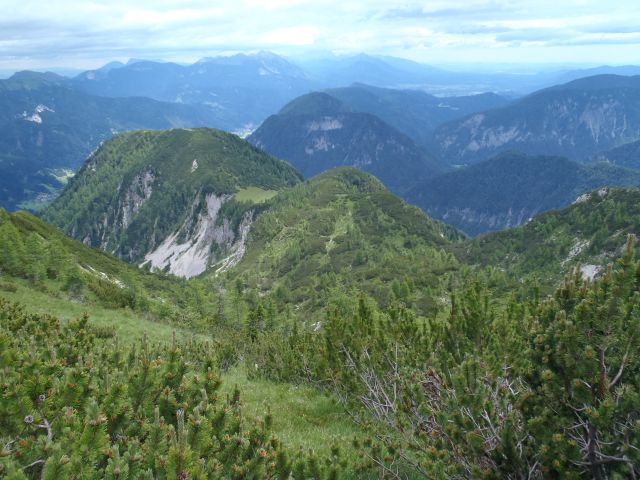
(180, 200)
(317, 132)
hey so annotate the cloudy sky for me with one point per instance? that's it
(87, 33)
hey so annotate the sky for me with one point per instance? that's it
(83, 34)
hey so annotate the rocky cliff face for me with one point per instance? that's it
(189, 252)
(205, 238)
(131, 198)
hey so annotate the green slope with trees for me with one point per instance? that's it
(114, 307)
(341, 233)
(452, 366)
(587, 235)
(76, 406)
(455, 357)
(39, 257)
(542, 387)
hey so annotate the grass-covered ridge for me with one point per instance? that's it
(343, 232)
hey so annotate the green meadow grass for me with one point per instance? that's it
(129, 326)
(254, 195)
(303, 417)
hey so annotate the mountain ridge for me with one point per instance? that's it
(47, 129)
(573, 120)
(584, 236)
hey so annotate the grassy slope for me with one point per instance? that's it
(303, 417)
(93, 263)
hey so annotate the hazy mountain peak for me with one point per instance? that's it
(314, 103)
(41, 77)
(603, 81)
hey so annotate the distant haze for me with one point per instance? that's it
(72, 35)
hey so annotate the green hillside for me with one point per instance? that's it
(75, 404)
(530, 386)
(381, 341)
(146, 192)
(345, 298)
(51, 274)
(341, 233)
(587, 236)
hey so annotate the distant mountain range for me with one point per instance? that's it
(512, 188)
(400, 73)
(243, 90)
(576, 119)
(50, 124)
(48, 128)
(317, 132)
(240, 90)
(413, 112)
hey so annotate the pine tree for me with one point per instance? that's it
(35, 258)
(11, 249)
(256, 321)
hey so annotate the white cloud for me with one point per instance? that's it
(68, 32)
(301, 35)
